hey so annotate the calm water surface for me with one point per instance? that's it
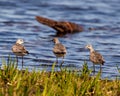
(17, 20)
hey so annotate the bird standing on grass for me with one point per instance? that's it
(59, 50)
(95, 57)
(19, 50)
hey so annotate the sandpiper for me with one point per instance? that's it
(95, 57)
(59, 50)
(19, 50)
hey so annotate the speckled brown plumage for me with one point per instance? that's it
(95, 57)
(19, 50)
(59, 49)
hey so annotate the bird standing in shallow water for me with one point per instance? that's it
(95, 57)
(59, 50)
(19, 50)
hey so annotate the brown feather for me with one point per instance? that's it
(59, 50)
(96, 58)
(19, 50)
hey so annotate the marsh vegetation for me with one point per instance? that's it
(14, 82)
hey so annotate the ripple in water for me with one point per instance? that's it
(18, 21)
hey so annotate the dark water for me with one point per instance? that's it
(17, 20)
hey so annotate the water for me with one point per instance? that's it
(17, 20)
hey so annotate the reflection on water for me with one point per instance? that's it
(17, 20)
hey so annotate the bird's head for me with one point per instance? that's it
(89, 46)
(55, 40)
(20, 41)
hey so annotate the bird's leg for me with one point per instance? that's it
(56, 59)
(22, 61)
(62, 61)
(17, 61)
(93, 68)
(100, 68)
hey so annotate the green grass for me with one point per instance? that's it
(14, 82)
